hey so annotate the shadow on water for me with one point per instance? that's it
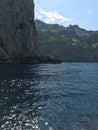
(17, 71)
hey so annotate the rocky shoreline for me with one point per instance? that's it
(32, 60)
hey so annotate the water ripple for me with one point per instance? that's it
(49, 97)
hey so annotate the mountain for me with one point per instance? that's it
(18, 36)
(67, 43)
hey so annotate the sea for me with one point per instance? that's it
(49, 96)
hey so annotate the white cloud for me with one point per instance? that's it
(39, 16)
(51, 16)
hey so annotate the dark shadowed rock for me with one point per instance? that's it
(18, 37)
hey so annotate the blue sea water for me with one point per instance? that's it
(49, 96)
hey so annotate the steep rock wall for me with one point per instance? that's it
(18, 37)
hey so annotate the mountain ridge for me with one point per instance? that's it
(67, 43)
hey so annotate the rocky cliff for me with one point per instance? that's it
(67, 43)
(18, 37)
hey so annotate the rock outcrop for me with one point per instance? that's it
(18, 37)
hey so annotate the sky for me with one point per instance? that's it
(68, 12)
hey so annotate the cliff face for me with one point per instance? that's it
(67, 43)
(18, 37)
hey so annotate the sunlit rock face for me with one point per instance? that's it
(18, 37)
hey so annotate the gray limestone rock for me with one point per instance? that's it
(18, 38)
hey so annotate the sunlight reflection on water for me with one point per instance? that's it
(49, 97)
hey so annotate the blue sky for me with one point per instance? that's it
(66, 12)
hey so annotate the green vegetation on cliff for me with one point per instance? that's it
(72, 35)
(67, 43)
